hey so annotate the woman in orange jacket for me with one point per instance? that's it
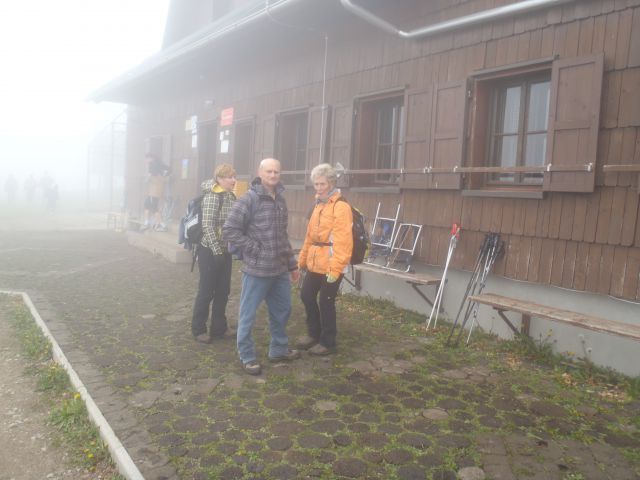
(325, 255)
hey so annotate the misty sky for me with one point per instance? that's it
(54, 54)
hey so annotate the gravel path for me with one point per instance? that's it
(28, 451)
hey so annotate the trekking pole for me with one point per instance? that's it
(470, 284)
(474, 319)
(472, 306)
(455, 234)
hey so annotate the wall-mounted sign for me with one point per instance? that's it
(224, 140)
(184, 174)
(191, 124)
(226, 117)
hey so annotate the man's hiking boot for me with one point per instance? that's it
(252, 367)
(203, 338)
(321, 350)
(229, 333)
(287, 357)
(305, 342)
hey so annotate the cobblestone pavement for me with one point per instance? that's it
(387, 406)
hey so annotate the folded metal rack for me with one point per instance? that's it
(383, 235)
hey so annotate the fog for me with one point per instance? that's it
(54, 55)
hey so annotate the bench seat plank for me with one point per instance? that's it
(558, 315)
(417, 278)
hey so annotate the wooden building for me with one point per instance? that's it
(515, 117)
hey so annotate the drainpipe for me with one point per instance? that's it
(465, 21)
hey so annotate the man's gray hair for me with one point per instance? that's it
(324, 170)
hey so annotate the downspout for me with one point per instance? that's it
(465, 21)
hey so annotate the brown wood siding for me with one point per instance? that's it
(586, 241)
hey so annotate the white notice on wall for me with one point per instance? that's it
(224, 146)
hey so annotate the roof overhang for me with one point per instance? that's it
(133, 84)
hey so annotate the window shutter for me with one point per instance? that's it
(267, 137)
(574, 117)
(416, 140)
(317, 133)
(166, 150)
(341, 128)
(447, 132)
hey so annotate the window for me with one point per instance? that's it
(380, 133)
(518, 133)
(291, 144)
(540, 113)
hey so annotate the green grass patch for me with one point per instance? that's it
(68, 414)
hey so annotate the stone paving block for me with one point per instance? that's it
(499, 471)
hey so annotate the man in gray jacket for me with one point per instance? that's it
(257, 228)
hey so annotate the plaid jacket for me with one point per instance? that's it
(257, 226)
(216, 205)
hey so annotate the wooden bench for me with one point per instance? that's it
(117, 219)
(416, 280)
(530, 309)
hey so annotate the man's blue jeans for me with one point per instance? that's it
(276, 292)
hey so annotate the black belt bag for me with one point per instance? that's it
(322, 244)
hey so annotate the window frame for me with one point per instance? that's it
(369, 144)
(479, 151)
(496, 115)
(284, 120)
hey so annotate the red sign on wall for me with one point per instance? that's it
(226, 117)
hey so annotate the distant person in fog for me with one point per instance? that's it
(52, 197)
(45, 184)
(30, 186)
(11, 187)
(157, 173)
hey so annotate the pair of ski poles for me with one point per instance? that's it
(453, 241)
(490, 250)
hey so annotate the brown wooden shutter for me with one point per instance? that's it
(416, 140)
(447, 132)
(251, 122)
(317, 133)
(574, 116)
(341, 128)
(267, 137)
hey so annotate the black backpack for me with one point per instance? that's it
(361, 242)
(190, 230)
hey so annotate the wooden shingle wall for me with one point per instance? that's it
(582, 241)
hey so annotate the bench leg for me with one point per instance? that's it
(526, 322)
(420, 292)
(507, 321)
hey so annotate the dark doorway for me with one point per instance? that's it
(207, 142)
(243, 148)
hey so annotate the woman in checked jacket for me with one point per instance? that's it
(214, 260)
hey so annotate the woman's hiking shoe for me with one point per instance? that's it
(306, 342)
(321, 350)
(287, 357)
(203, 338)
(252, 367)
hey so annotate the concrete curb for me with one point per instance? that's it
(120, 456)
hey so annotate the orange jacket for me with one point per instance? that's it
(330, 222)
